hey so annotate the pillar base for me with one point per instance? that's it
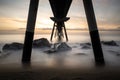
(97, 49)
(27, 49)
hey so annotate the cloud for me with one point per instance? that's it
(118, 28)
(19, 20)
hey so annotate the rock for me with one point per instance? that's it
(89, 44)
(13, 46)
(39, 43)
(86, 45)
(110, 43)
(63, 47)
(58, 47)
(117, 54)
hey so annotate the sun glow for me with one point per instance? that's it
(44, 23)
(10, 20)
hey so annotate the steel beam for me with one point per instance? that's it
(27, 49)
(94, 34)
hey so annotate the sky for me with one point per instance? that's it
(13, 14)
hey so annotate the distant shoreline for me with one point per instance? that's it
(46, 31)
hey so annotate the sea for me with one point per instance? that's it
(75, 58)
(78, 37)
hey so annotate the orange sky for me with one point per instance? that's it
(13, 14)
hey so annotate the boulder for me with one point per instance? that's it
(63, 47)
(86, 45)
(40, 43)
(110, 43)
(58, 47)
(13, 46)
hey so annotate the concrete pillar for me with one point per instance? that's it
(27, 49)
(94, 34)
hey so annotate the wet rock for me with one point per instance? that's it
(89, 44)
(63, 47)
(39, 43)
(110, 43)
(118, 54)
(13, 46)
(58, 47)
(85, 45)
